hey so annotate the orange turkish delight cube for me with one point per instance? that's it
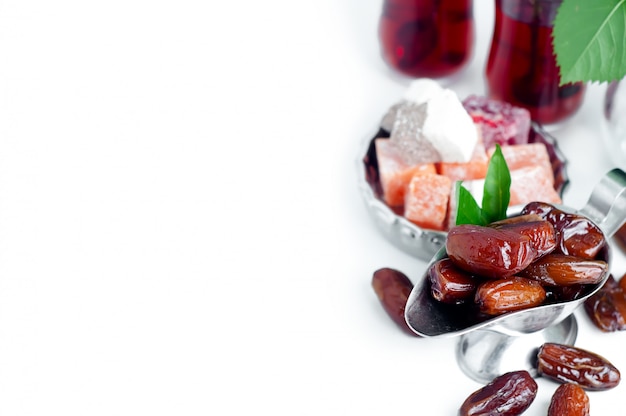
(426, 203)
(527, 155)
(530, 184)
(394, 173)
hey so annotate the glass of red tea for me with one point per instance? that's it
(521, 67)
(427, 38)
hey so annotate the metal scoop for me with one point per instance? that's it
(489, 343)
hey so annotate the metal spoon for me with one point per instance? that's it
(486, 341)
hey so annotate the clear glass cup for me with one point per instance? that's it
(521, 67)
(427, 38)
(614, 122)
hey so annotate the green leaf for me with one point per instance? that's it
(589, 40)
(468, 211)
(496, 194)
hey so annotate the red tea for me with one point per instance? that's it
(427, 38)
(522, 69)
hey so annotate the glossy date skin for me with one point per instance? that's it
(393, 288)
(580, 237)
(576, 234)
(508, 395)
(607, 307)
(489, 252)
(449, 284)
(569, 400)
(495, 297)
(542, 234)
(569, 364)
(565, 270)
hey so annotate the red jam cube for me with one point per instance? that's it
(426, 203)
(500, 122)
(395, 174)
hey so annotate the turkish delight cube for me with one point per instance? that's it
(530, 184)
(426, 203)
(395, 174)
(476, 168)
(527, 155)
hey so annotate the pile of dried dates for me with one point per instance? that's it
(512, 393)
(543, 255)
(576, 369)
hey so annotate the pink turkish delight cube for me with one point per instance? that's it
(530, 184)
(528, 155)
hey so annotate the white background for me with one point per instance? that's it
(180, 227)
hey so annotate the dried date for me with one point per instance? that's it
(580, 237)
(542, 209)
(569, 364)
(569, 400)
(564, 270)
(508, 395)
(577, 235)
(393, 289)
(495, 297)
(541, 232)
(607, 307)
(488, 251)
(448, 284)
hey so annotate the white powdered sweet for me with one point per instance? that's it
(431, 125)
(449, 127)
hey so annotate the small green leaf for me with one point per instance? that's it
(589, 40)
(468, 211)
(496, 194)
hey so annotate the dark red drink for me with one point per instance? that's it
(522, 69)
(427, 38)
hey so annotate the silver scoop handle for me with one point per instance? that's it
(606, 206)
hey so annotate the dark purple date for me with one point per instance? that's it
(393, 289)
(507, 395)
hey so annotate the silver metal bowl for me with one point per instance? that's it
(416, 241)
